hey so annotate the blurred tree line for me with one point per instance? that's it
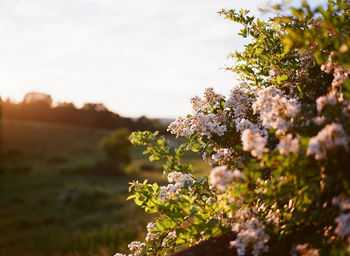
(37, 106)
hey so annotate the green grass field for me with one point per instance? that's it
(45, 210)
(45, 147)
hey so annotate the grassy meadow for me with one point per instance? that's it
(52, 204)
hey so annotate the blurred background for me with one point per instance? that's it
(64, 178)
(77, 76)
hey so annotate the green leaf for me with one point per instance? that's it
(131, 197)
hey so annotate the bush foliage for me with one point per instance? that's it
(278, 145)
(116, 147)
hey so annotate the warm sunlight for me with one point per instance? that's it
(174, 128)
(151, 53)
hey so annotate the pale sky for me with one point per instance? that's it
(138, 57)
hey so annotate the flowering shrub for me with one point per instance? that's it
(278, 145)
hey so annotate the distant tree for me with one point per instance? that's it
(116, 147)
(38, 106)
(96, 107)
(67, 112)
(66, 105)
(143, 123)
(37, 98)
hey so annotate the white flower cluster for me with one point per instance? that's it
(211, 97)
(199, 105)
(343, 220)
(331, 136)
(180, 180)
(254, 143)
(171, 237)
(220, 177)
(328, 99)
(200, 123)
(343, 227)
(135, 247)
(223, 116)
(319, 120)
(339, 73)
(181, 127)
(239, 101)
(150, 235)
(328, 66)
(243, 124)
(222, 156)
(343, 204)
(288, 145)
(250, 232)
(276, 110)
(207, 125)
(303, 250)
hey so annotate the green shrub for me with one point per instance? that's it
(116, 148)
(279, 146)
(82, 196)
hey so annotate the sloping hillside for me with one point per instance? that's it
(44, 146)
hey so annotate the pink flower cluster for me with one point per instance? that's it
(250, 232)
(254, 143)
(330, 137)
(180, 179)
(220, 177)
(276, 110)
